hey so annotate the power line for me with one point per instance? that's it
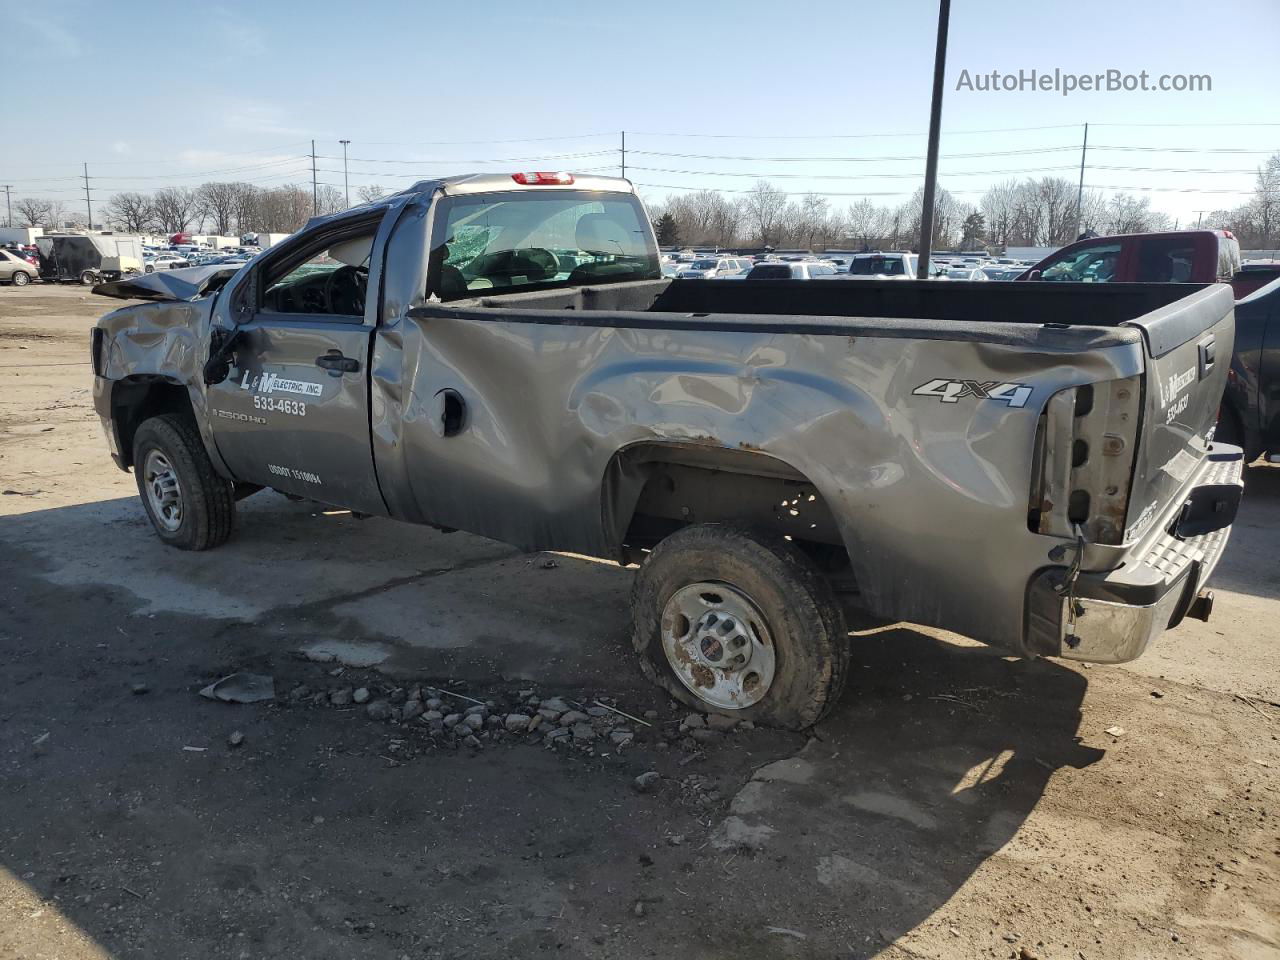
(1030, 151)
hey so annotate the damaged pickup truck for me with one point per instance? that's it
(1031, 465)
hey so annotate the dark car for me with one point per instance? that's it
(1250, 414)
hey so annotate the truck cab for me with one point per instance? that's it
(1184, 256)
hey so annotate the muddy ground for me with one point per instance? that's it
(957, 803)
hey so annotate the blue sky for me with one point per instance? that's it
(157, 94)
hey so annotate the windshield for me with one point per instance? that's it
(890, 266)
(704, 265)
(531, 240)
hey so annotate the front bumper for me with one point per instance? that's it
(1117, 614)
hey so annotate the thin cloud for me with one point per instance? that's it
(52, 39)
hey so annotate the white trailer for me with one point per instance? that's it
(23, 235)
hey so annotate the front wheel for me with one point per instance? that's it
(190, 506)
(88, 277)
(21, 278)
(741, 623)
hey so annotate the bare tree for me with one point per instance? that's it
(370, 192)
(175, 208)
(329, 200)
(866, 223)
(35, 212)
(764, 206)
(130, 212)
(218, 202)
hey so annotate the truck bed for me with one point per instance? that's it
(1080, 315)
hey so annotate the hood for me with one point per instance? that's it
(187, 283)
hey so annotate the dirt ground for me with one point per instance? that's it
(957, 804)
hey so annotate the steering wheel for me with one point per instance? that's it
(344, 292)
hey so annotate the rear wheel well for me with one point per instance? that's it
(671, 486)
(137, 399)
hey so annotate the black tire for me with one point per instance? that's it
(810, 641)
(88, 278)
(21, 278)
(207, 500)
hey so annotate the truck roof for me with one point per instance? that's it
(469, 183)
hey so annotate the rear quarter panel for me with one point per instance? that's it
(930, 496)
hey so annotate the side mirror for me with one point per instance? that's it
(221, 345)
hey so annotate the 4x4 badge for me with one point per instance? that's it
(953, 391)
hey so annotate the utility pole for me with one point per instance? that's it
(935, 126)
(8, 209)
(624, 154)
(87, 202)
(315, 189)
(346, 187)
(1200, 216)
(1084, 149)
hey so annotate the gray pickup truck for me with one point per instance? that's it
(1031, 465)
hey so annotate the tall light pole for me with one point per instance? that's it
(8, 210)
(346, 187)
(935, 125)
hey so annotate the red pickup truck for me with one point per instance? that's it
(1182, 256)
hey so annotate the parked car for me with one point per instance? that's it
(963, 273)
(791, 270)
(1182, 256)
(15, 269)
(883, 265)
(710, 269)
(165, 261)
(992, 459)
(1250, 415)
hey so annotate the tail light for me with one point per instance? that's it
(1082, 468)
(543, 178)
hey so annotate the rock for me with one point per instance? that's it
(525, 694)
(693, 721)
(434, 703)
(235, 739)
(1116, 731)
(583, 732)
(397, 695)
(573, 717)
(516, 722)
(415, 693)
(473, 742)
(493, 722)
(431, 715)
(319, 656)
(705, 736)
(436, 727)
(139, 689)
(556, 733)
(452, 720)
(1158, 694)
(639, 908)
(646, 782)
(555, 703)
(721, 723)
(300, 692)
(320, 698)
(598, 712)
(651, 714)
(535, 722)
(410, 710)
(341, 698)
(379, 710)
(479, 710)
(1026, 953)
(746, 725)
(551, 716)
(621, 738)
(473, 720)
(361, 695)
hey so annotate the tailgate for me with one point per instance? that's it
(1188, 346)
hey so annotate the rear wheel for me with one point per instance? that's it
(741, 623)
(88, 277)
(21, 278)
(190, 506)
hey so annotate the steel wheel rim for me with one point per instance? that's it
(164, 493)
(718, 644)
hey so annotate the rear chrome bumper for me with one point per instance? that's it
(1119, 613)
